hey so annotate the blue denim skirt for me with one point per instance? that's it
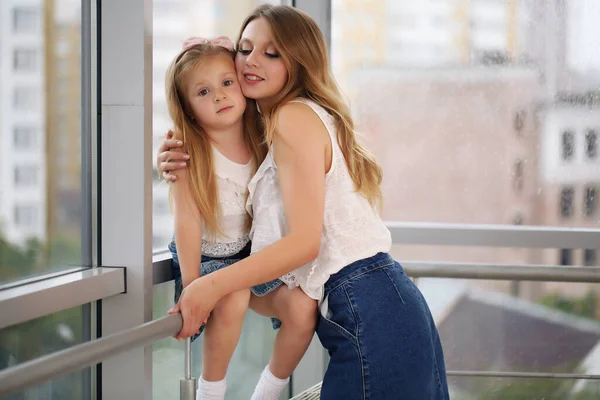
(212, 264)
(380, 336)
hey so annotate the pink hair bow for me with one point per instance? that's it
(222, 41)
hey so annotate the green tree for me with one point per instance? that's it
(584, 306)
(50, 333)
(15, 261)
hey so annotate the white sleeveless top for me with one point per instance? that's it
(232, 181)
(352, 229)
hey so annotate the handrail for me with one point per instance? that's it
(482, 235)
(471, 235)
(83, 355)
(457, 270)
(546, 273)
(75, 358)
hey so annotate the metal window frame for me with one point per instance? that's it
(125, 159)
(20, 303)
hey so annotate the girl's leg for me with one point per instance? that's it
(221, 336)
(298, 315)
(222, 333)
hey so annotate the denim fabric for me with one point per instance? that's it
(380, 335)
(212, 264)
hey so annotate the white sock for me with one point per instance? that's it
(211, 390)
(269, 387)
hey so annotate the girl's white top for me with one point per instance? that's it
(232, 181)
(352, 228)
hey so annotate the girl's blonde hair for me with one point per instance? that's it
(202, 177)
(304, 52)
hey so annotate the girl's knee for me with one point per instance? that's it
(300, 311)
(232, 306)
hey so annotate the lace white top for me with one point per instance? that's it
(352, 229)
(232, 180)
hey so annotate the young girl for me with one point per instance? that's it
(212, 122)
(315, 224)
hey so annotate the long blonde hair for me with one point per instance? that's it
(304, 52)
(202, 177)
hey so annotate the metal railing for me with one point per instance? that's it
(84, 355)
(414, 233)
(547, 273)
(90, 353)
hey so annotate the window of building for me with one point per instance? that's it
(25, 98)
(518, 176)
(566, 202)
(591, 144)
(25, 138)
(568, 144)
(566, 256)
(26, 175)
(26, 216)
(25, 60)
(519, 121)
(589, 257)
(518, 219)
(590, 201)
(25, 20)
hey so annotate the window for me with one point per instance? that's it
(33, 211)
(518, 176)
(26, 216)
(25, 98)
(565, 256)
(25, 138)
(589, 257)
(25, 20)
(591, 144)
(568, 139)
(24, 60)
(566, 202)
(26, 176)
(414, 101)
(518, 219)
(519, 121)
(590, 201)
(36, 236)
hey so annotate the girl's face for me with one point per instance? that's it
(261, 71)
(213, 93)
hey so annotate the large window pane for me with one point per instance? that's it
(453, 95)
(41, 138)
(484, 328)
(42, 336)
(480, 112)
